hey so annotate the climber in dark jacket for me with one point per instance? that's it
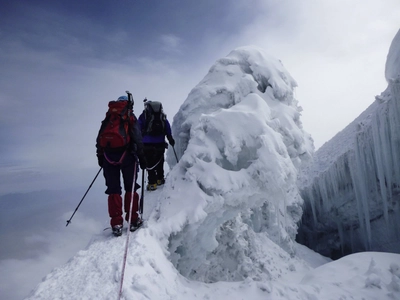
(155, 127)
(117, 161)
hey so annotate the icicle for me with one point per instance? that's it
(309, 196)
(379, 142)
(359, 190)
(324, 194)
(394, 111)
(352, 238)
(341, 234)
(362, 161)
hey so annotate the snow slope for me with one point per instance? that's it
(95, 273)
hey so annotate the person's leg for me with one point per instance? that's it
(160, 165)
(151, 155)
(135, 206)
(128, 169)
(115, 210)
(112, 177)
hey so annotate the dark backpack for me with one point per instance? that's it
(155, 119)
(114, 131)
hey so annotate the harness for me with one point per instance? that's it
(115, 163)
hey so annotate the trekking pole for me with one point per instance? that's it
(142, 195)
(175, 154)
(69, 221)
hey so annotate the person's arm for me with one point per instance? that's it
(99, 150)
(168, 133)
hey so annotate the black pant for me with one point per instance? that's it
(112, 173)
(154, 153)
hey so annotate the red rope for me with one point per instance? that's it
(128, 232)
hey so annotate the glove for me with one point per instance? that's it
(171, 140)
(100, 160)
(142, 162)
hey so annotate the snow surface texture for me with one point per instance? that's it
(239, 139)
(352, 188)
(95, 273)
(223, 225)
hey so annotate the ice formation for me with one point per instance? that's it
(239, 141)
(352, 190)
(229, 208)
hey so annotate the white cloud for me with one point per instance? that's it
(171, 43)
(335, 50)
(56, 250)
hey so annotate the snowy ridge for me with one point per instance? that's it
(94, 273)
(223, 225)
(351, 189)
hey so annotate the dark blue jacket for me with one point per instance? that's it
(150, 139)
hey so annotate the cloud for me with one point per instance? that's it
(44, 250)
(60, 72)
(335, 50)
(56, 116)
(171, 43)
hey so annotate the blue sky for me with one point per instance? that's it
(62, 61)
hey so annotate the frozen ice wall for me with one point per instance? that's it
(238, 140)
(352, 190)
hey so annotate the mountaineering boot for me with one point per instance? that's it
(135, 225)
(160, 181)
(117, 230)
(152, 186)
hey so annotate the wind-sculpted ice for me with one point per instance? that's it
(239, 140)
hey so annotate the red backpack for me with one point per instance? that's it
(114, 131)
